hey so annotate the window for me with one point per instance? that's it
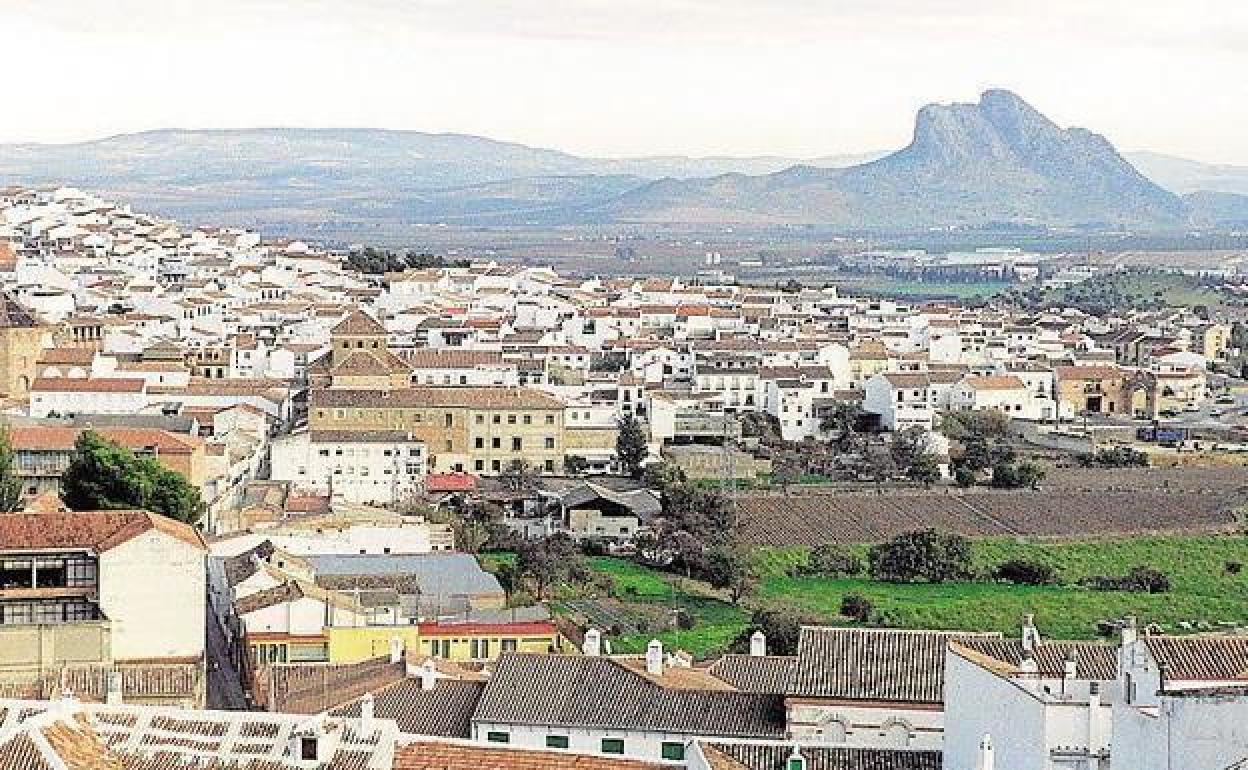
(612, 746)
(307, 747)
(528, 419)
(480, 419)
(449, 419)
(556, 741)
(496, 465)
(498, 419)
(498, 737)
(480, 648)
(550, 442)
(478, 465)
(508, 645)
(478, 443)
(511, 419)
(550, 419)
(672, 750)
(517, 443)
(549, 466)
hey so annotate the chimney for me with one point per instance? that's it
(592, 645)
(654, 658)
(1129, 632)
(367, 713)
(985, 753)
(1071, 666)
(113, 696)
(795, 761)
(1031, 635)
(1095, 721)
(758, 644)
(396, 649)
(429, 675)
(1028, 664)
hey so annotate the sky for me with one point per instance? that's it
(797, 78)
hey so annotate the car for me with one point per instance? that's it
(1227, 399)
(1168, 413)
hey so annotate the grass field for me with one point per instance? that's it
(922, 289)
(1204, 592)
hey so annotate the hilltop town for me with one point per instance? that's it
(269, 504)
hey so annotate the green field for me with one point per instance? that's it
(921, 289)
(1140, 288)
(1204, 594)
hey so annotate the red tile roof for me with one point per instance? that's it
(431, 755)
(96, 530)
(88, 385)
(450, 482)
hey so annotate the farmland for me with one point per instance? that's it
(1208, 590)
(1122, 502)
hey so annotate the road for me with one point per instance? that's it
(225, 691)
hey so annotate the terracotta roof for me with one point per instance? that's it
(756, 673)
(1093, 660)
(88, 385)
(438, 397)
(358, 324)
(97, 530)
(1222, 658)
(56, 438)
(430, 755)
(445, 711)
(598, 692)
(872, 664)
(775, 756)
(450, 482)
(995, 383)
(1088, 372)
(429, 358)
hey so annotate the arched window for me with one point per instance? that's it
(834, 730)
(896, 734)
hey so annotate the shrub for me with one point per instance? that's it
(924, 556)
(829, 560)
(857, 607)
(1011, 475)
(964, 476)
(1233, 567)
(1138, 580)
(1027, 573)
(685, 620)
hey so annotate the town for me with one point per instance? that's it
(269, 504)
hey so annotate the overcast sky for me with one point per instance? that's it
(628, 77)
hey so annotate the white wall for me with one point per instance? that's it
(1185, 733)
(153, 589)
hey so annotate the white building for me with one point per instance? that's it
(902, 400)
(371, 467)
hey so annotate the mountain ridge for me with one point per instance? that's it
(997, 160)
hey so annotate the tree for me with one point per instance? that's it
(547, 562)
(923, 556)
(878, 464)
(575, 465)
(857, 607)
(10, 484)
(521, 479)
(728, 567)
(842, 422)
(1027, 573)
(781, 624)
(105, 476)
(1010, 475)
(662, 475)
(631, 447)
(912, 454)
(834, 561)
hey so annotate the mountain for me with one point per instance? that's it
(1187, 176)
(1218, 209)
(998, 160)
(995, 161)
